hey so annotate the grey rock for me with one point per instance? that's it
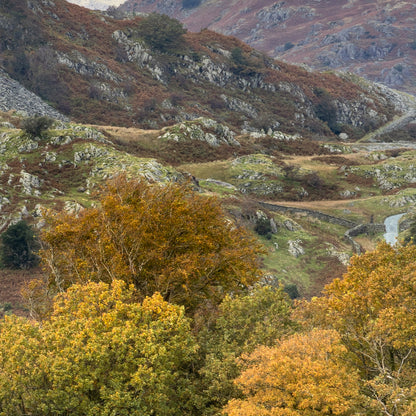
(13, 96)
(221, 183)
(295, 248)
(29, 182)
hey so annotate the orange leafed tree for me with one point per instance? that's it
(162, 238)
(303, 375)
(373, 307)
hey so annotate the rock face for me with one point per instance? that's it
(373, 38)
(13, 96)
(105, 71)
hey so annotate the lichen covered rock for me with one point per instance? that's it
(201, 129)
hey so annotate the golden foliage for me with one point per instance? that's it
(162, 238)
(243, 323)
(373, 307)
(302, 375)
(99, 353)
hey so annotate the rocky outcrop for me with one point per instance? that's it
(369, 38)
(30, 183)
(201, 129)
(13, 96)
(295, 248)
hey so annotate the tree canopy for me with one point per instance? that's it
(161, 32)
(161, 238)
(303, 375)
(36, 125)
(100, 353)
(242, 323)
(373, 307)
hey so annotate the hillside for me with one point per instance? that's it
(143, 72)
(375, 39)
(102, 339)
(343, 184)
(201, 107)
(183, 189)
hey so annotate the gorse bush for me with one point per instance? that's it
(99, 353)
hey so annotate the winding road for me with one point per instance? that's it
(392, 228)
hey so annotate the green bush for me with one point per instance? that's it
(292, 290)
(263, 227)
(161, 32)
(238, 57)
(35, 126)
(190, 4)
(18, 246)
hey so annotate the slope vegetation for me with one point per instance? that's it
(62, 170)
(144, 72)
(373, 38)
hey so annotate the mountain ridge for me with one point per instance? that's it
(96, 69)
(375, 39)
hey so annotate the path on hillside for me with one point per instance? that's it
(394, 124)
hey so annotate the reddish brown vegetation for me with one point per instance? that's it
(11, 284)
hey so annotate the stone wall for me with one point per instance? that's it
(316, 214)
(362, 229)
(354, 229)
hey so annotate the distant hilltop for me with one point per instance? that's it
(96, 4)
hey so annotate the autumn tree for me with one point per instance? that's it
(373, 307)
(303, 375)
(161, 238)
(242, 323)
(100, 353)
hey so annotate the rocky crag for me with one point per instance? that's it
(373, 38)
(15, 96)
(96, 69)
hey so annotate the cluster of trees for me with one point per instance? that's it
(355, 354)
(156, 310)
